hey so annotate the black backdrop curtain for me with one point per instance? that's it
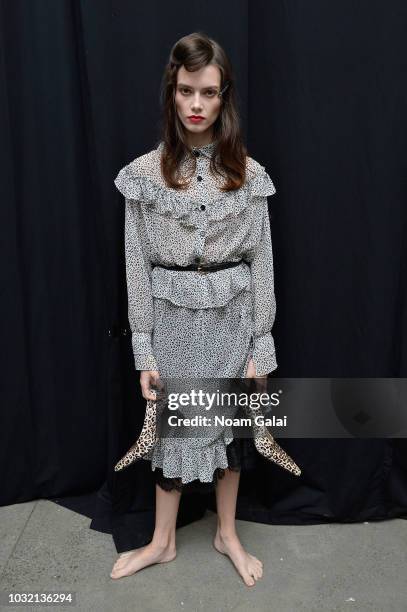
(322, 97)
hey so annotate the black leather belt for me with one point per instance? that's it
(202, 267)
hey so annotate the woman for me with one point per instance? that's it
(198, 200)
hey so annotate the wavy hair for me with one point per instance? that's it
(195, 51)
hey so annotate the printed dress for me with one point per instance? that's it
(192, 324)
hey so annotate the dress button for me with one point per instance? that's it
(199, 177)
(196, 153)
(202, 233)
(203, 206)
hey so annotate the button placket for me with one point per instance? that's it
(201, 233)
(204, 220)
(201, 230)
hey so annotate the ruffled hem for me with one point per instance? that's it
(168, 484)
(177, 204)
(241, 456)
(187, 461)
(209, 290)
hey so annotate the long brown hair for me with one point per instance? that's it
(195, 51)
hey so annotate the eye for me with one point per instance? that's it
(184, 90)
(211, 92)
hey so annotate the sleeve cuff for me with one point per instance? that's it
(142, 350)
(264, 354)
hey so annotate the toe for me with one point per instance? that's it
(249, 580)
(116, 568)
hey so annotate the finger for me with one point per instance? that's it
(146, 391)
(149, 395)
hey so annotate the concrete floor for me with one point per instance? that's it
(45, 547)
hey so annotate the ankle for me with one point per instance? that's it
(163, 540)
(227, 533)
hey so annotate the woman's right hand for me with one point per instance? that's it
(148, 378)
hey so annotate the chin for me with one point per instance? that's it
(200, 129)
(195, 127)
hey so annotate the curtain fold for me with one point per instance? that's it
(322, 98)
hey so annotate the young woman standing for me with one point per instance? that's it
(200, 281)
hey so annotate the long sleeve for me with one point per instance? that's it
(264, 300)
(140, 300)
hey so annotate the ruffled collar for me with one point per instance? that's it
(207, 149)
(134, 184)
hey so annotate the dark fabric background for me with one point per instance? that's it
(322, 97)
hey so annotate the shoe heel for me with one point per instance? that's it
(267, 446)
(146, 440)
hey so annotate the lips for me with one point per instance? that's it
(196, 118)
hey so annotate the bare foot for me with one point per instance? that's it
(132, 561)
(248, 566)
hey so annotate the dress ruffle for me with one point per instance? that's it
(206, 291)
(192, 461)
(199, 465)
(241, 456)
(177, 204)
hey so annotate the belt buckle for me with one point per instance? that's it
(201, 270)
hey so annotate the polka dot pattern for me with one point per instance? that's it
(189, 324)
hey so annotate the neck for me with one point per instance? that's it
(199, 140)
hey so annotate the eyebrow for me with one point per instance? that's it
(190, 87)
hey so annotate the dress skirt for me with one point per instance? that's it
(201, 343)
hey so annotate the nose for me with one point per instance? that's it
(196, 103)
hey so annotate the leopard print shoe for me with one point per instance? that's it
(145, 442)
(267, 446)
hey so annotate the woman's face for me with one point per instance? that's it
(197, 95)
